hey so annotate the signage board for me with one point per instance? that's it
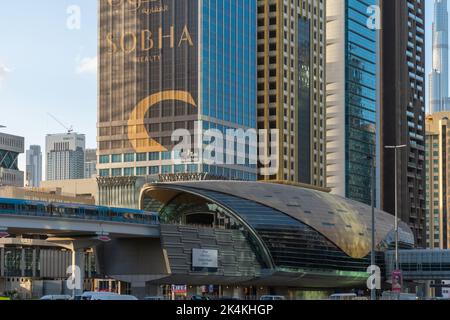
(204, 259)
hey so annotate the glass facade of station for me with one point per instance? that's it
(281, 242)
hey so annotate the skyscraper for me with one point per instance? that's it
(90, 163)
(403, 111)
(291, 86)
(65, 156)
(437, 175)
(353, 77)
(34, 167)
(10, 149)
(167, 65)
(438, 94)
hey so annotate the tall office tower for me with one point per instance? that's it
(403, 112)
(65, 156)
(34, 167)
(437, 180)
(10, 149)
(90, 163)
(352, 98)
(438, 92)
(291, 86)
(168, 65)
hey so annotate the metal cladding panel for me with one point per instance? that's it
(344, 222)
(235, 257)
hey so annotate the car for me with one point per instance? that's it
(93, 296)
(343, 296)
(389, 295)
(202, 298)
(228, 298)
(271, 298)
(154, 298)
(60, 297)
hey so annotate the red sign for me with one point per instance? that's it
(177, 289)
(104, 238)
(397, 281)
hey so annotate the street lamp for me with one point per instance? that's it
(373, 290)
(396, 148)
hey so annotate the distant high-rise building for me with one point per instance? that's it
(438, 93)
(291, 86)
(10, 149)
(34, 167)
(65, 156)
(353, 76)
(90, 163)
(167, 65)
(437, 181)
(403, 111)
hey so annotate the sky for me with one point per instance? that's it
(48, 65)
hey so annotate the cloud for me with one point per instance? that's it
(86, 66)
(4, 71)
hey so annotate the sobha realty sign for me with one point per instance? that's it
(148, 72)
(205, 259)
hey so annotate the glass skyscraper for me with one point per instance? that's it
(170, 65)
(352, 91)
(439, 99)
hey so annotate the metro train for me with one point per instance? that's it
(75, 211)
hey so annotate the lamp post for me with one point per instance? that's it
(396, 148)
(373, 290)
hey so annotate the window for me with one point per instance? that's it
(116, 172)
(154, 170)
(104, 159)
(116, 158)
(128, 172)
(153, 156)
(141, 171)
(166, 155)
(141, 157)
(104, 172)
(129, 157)
(166, 169)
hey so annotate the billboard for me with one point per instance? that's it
(204, 259)
(148, 72)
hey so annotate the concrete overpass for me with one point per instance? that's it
(75, 227)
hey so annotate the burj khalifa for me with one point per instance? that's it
(438, 94)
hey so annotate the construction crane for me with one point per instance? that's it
(69, 129)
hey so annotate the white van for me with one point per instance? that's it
(271, 298)
(343, 297)
(56, 297)
(92, 296)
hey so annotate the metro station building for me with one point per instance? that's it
(242, 239)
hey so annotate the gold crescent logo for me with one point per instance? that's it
(137, 133)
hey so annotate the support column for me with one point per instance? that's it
(2, 262)
(138, 289)
(78, 268)
(22, 262)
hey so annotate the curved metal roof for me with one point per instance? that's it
(345, 222)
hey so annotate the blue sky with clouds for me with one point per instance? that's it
(45, 67)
